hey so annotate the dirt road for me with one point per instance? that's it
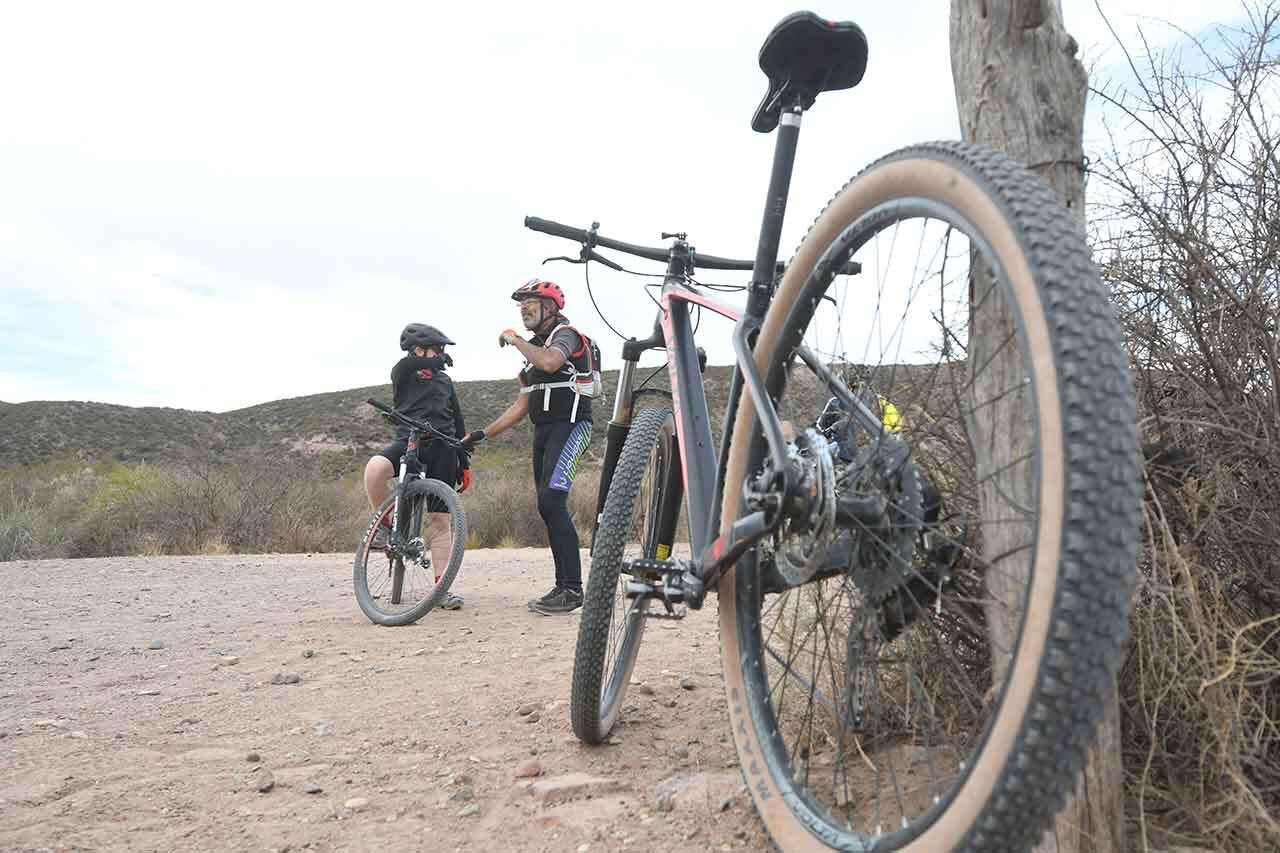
(245, 703)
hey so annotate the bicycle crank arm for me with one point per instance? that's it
(723, 552)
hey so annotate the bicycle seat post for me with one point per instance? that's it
(775, 206)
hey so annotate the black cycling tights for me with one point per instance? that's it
(557, 448)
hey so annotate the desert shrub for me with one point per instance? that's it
(1186, 231)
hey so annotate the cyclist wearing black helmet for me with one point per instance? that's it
(421, 389)
(559, 362)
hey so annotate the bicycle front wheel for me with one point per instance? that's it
(398, 583)
(639, 520)
(926, 671)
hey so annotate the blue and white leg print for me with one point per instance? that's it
(567, 465)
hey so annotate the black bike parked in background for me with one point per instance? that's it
(395, 581)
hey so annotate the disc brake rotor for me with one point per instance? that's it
(801, 543)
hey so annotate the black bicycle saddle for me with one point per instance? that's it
(803, 56)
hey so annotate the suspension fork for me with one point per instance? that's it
(669, 504)
(393, 539)
(623, 413)
(410, 451)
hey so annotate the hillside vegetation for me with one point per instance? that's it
(336, 430)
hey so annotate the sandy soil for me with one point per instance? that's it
(245, 703)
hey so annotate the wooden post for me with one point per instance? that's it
(1020, 88)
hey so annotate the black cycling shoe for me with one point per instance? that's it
(550, 596)
(559, 600)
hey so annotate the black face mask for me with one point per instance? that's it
(435, 362)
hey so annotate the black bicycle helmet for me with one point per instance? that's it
(422, 335)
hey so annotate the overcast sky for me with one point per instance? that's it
(213, 205)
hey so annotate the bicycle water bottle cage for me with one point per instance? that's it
(803, 56)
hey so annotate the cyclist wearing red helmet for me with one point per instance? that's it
(557, 356)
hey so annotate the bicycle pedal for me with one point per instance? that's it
(645, 565)
(667, 596)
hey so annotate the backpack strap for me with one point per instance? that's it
(572, 383)
(581, 339)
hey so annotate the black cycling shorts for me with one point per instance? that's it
(437, 459)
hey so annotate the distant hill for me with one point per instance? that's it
(337, 429)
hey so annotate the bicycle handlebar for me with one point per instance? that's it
(422, 426)
(579, 235)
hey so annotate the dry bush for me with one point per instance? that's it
(502, 510)
(1187, 227)
(206, 508)
(238, 507)
(38, 506)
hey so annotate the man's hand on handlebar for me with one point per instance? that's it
(471, 439)
(508, 336)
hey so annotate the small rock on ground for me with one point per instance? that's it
(529, 770)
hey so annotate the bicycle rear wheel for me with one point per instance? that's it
(397, 586)
(929, 676)
(639, 520)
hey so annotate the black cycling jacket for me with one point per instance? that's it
(421, 389)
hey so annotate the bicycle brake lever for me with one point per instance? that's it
(564, 258)
(593, 255)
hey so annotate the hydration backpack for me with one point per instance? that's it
(584, 383)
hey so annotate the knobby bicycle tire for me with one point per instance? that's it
(597, 689)
(421, 490)
(1082, 566)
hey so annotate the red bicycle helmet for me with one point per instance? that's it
(544, 289)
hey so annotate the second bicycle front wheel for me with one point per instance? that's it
(639, 520)
(926, 672)
(397, 584)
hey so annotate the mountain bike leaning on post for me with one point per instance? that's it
(407, 586)
(874, 707)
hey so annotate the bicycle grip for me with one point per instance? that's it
(555, 229)
(382, 407)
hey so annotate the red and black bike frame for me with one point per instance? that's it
(701, 470)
